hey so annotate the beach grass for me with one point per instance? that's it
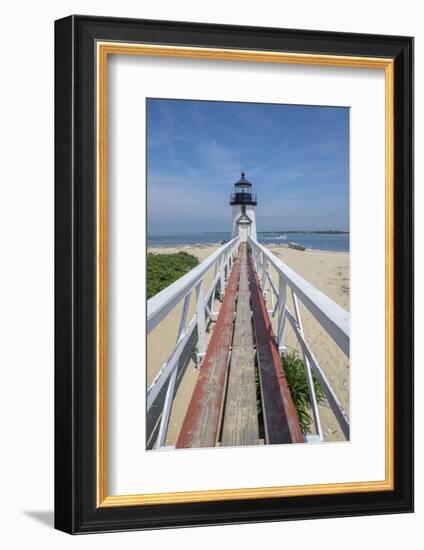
(164, 269)
(294, 370)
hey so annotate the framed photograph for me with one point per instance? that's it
(234, 274)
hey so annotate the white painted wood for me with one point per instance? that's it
(166, 412)
(261, 269)
(167, 407)
(171, 364)
(212, 316)
(281, 309)
(313, 438)
(227, 266)
(332, 398)
(160, 305)
(162, 376)
(211, 296)
(274, 293)
(265, 282)
(308, 372)
(240, 229)
(333, 318)
(221, 277)
(201, 321)
(243, 232)
(222, 263)
(184, 313)
(271, 282)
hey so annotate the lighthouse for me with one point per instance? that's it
(244, 204)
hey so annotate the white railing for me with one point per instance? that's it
(165, 301)
(333, 319)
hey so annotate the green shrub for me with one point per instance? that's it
(296, 379)
(164, 269)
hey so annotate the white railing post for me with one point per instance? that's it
(261, 269)
(221, 278)
(269, 290)
(282, 299)
(167, 406)
(332, 398)
(264, 280)
(209, 305)
(227, 266)
(308, 372)
(201, 323)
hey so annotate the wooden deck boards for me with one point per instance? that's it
(281, 422)
(201, 423)
(240, 420)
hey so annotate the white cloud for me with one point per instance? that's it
(218, 157)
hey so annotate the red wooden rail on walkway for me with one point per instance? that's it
(201, 423)
(281, 421)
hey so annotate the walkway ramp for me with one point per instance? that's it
(240, 421)
(201, 423)
(281, 422)
(223, 409)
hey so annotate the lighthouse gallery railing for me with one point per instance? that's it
(165, 301)
(333, 319)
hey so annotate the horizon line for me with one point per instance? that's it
(339, 231)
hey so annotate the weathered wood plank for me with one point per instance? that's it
(280, 416)
(201, 423)
(240, 421)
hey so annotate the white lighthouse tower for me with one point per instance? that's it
(244, 204)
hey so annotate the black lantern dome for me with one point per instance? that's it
(243, 192)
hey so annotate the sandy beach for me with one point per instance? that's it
(328, 271)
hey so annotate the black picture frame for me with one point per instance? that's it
(76, 510)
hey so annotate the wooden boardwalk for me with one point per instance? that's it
(201, 423)
(223, 409)
(240, 421)
(281, 422)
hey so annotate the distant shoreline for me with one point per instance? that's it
(200, 246)
(297, 232)
(314, 240)
(329, 232)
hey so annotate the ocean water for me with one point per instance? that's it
(336, 242)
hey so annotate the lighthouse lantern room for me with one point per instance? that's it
(244, 204)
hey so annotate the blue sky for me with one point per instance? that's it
(296, 157)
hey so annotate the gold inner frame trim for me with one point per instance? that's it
(104, 49)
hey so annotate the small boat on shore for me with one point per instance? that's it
(296, 246)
